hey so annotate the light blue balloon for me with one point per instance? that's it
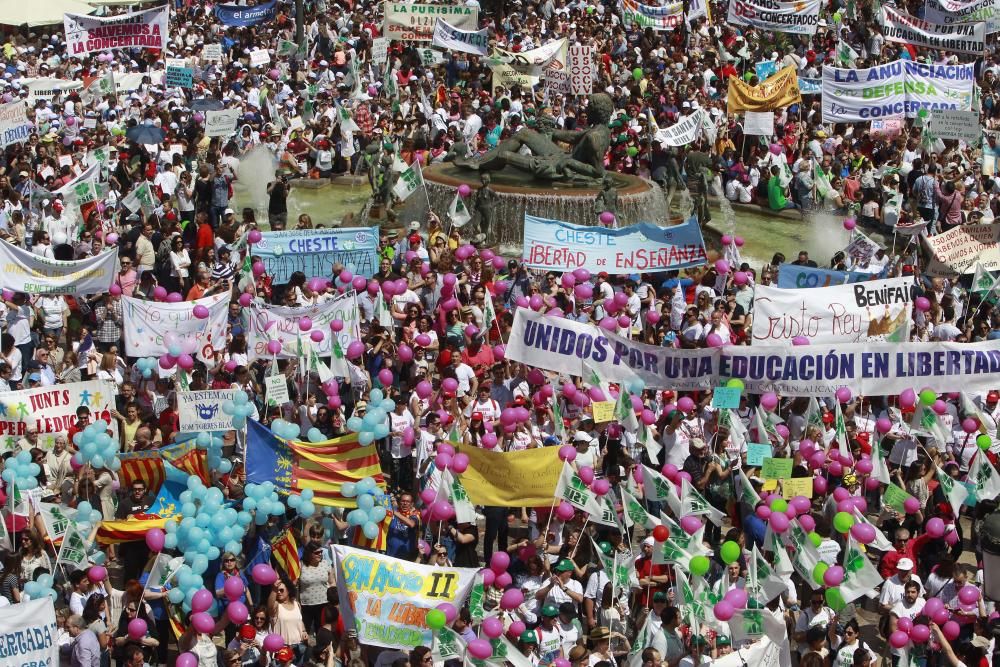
(315, 435)
(370, 530)
(381, 431)
(348, 489)
(355, 424)
(365, 502)
(307, 494)
(375, 396)
(225, 466)
(175, 595)
(357, 517)
(388, 405)
(294, 501)
(377, 514)
(366, 437)
(307, 509)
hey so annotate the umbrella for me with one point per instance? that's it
(145, 134)
(206, 104)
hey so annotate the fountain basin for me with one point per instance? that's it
(638, 200)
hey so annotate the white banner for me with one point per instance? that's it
(947, 12)
(45, 88)
(447, 36)
(14, 124)
(898, 88)
(876, 310)
(22, 271)
(580, 62)
(951, 124)
(758, 123)
(684, 131)
(221, 123)
(799, 18)
(900, 27)
(143, 30)
(386, 598)
(868, 369)
(147, 322)
(199, 411)
(29, 635)
(958, 250)
(412, 22)
(533, 61)
(281, 323)
(52, 409)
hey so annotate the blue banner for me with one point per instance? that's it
(241, 17)
(809, 86)
(791, 276)
(643, 247)
(314, 252)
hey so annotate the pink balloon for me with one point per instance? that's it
(565, 511)
(863, 532)
(97, 573)
(450, 613)
(186, 660)
(808, 523)
(779, 522)
(968, 595)
(920, 633)
(202, 622)
(798, 341)
(137, 629)
(480, 649)
(202, 600)
(237, 612)
(233, 588)
(714, 340)
(499, 561)
(722, 266)
(723, 610)
(254, 236)
(601, 486)
(690, 524)
(951, 630)
(833, 576)
(844, 395)
(273, 642)
(511, 599)
(899, 639)
(769, 401)
(935, 527)
(245, 299)
(492, 627)
(154, 539)
(911, 505)
(904, 624)
(883, 424)
(685, 404)
(263, 574)
(850, 224)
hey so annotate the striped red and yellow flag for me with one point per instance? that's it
(145, 466)
(186, 457)
(128, 530)
(324, 467)
(285, 551)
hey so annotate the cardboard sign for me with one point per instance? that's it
(179, 77)
(603, 411)
(895, 497)
(954, 124)
(726, 397)
(211, 52)
(797, 486)
(581, 69)
(259, 58)
(276, 388)
(776, 468)
(759, 123)
(756, 453)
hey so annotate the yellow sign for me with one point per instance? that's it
(780, 90)
(512, 479)
(603, 411)
(770, 485)
(797, 486)
(505, 76)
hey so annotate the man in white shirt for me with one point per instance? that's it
(895, 586)
(561, 587)
(402, 452)
(486, 406)
(817, 614)
(464, 374)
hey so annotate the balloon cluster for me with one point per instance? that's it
(332, 391)
(374, 425)
(934, 609)
(146, 366)
(208, 526)
(212, 445)
(734, 599)
(285, 429)
(21, 471)
(86, 516)
(264, 501)
(41, 587)
(368, 514)
(779, 513)
(239, 409)
(97, 447)
(302, 503)
(179, 351)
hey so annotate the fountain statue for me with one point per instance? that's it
(483, 208)
(606, 200)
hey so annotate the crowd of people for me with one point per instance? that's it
(319, 110)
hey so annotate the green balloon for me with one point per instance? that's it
(819, 571)
(700, 565)
(735, 383)
(637, 73)
(984, 441)
(730, 552)
(815, 539)
(779, 505)
(632, 151)
(843, 521)
(435, 619)
(835, 599)
(927, 397)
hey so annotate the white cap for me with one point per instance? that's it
(904, 564)
(414, 226)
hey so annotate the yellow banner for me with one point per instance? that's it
(779, 90)
(512, 479)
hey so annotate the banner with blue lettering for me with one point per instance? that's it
(809, 86)
(315, 251)
(898, 88)
(560, 246)
(29, 634)
(791, 276)
(241, 17)
(868, 369)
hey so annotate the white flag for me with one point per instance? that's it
(860, 576)
(954, 492)
(458, 212)
(409, 181)
(694, 503)
(984, 476)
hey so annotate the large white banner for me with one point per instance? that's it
(894, 89)
(52, 409)
(900, 27)
(281, 323)
(535, 60)
(386, 599)
(957, 250)
(14, 124)
(868, 369)
(22, 271)
(413, 22)
(580, 62)
(147, 322)
(44, 88)
(947, 12)
(29, 636)
(449, 37)
(199, 411)
(796, 17)
(876, 310)
(684, 131)
(221, 123)
(143, 30)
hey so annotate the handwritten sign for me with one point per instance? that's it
(797, 486)
(211, 52)
(259, 57)
(895, 497)
(726, 397)
(276, 387)
(776, 468)
(756, 453)
(180, 77)
(603, 411)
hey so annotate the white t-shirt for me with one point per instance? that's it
(465, 375)
(557, 595)
(52, 308)
(397, 423)
(893, 589)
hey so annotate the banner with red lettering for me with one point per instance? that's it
(560, 246)
(52, 410)
(142, 30)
